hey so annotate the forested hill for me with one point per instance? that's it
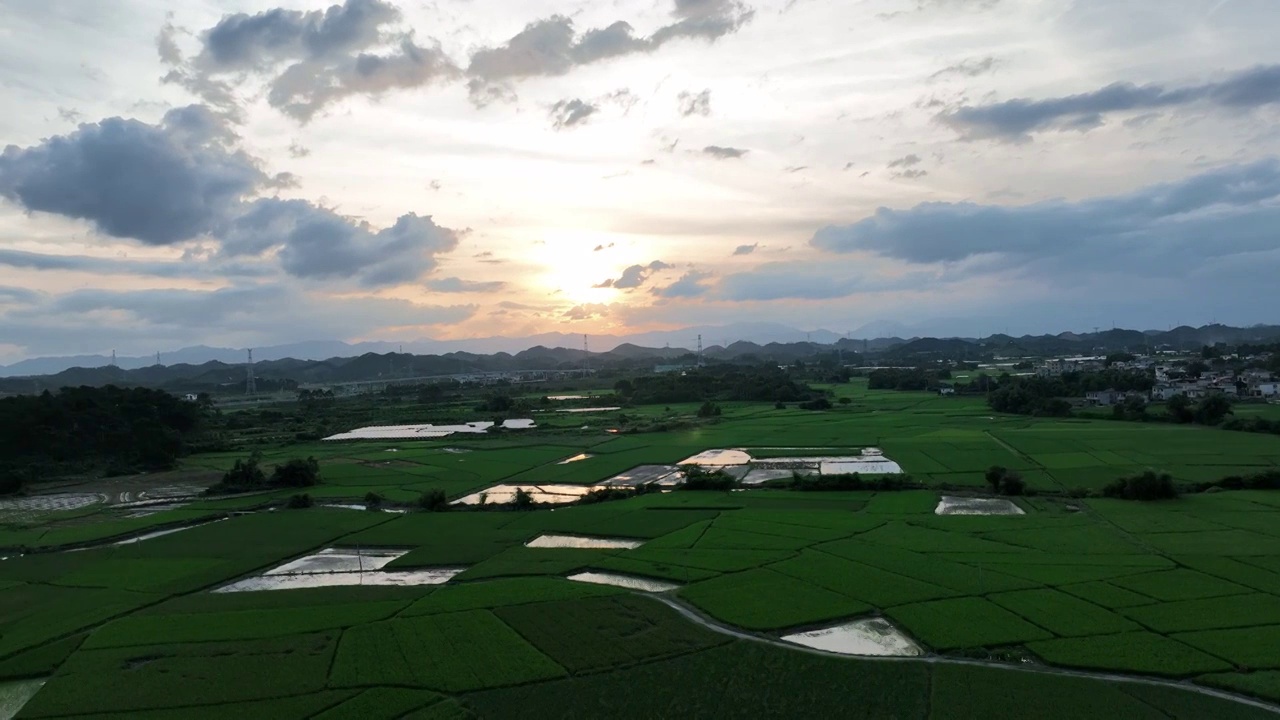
(102, 429)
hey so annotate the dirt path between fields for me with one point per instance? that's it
(706, 622)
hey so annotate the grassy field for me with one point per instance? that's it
(1186, 589)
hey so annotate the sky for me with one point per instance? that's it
(257, 172)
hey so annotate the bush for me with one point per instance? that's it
(709, 409)
(372, 500)
(779, 406)
(1004, 481)
(819, 403)
(297, 473)
(434, 500)
(699, 479)
(523, 500)
(845, 400)
(605, 494)
(13, 480)
(1147, 486)
(299, 502)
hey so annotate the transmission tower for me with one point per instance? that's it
(250, 387)
(699, 350)
(157, 357)
(586, 357)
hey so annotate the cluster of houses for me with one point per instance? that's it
(1250, 384)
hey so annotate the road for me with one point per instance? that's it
(714, 626)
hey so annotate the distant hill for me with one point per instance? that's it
(276, 372)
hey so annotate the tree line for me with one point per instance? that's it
(762, 383)
(101, 429)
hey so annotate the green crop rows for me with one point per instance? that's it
(1186, 590)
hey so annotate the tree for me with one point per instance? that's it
(1212, 409)
(299, 502)
(1147, 486)
(845, 400)
(1012, 484)
(372, 500)
(1196, 368)
(245, 473)
(995, 475)
(709, 409)
(1179, 409)
(297, 473)
(523, 500)
(1133, 407)
(12, 480)
(433, 500)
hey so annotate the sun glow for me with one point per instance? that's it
(573, 267)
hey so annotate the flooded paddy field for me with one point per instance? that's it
(427, 431)
(334, 567)
(951, 505)
(665, 475)
(544, 494)
(624, 581)
(869, 636)
(576, 541)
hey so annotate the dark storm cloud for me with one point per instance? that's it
(695, 103)
(458, 285)
(1160, 230)
(688, 286)
(569, 113)
(159, 184)
(183, 180)
(634, 276)
(1015, 120)
(724, 153)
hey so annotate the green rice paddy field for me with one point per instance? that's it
(1079, 608)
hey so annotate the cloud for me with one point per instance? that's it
(795, 169)
(906, 161)
(1157, 231)
(458, 285)
(724, 153)
(634, 276)
(570, 113)
(317, 243)
(91, 320)
(310, 59)
(551, 47)
(695, 104)
(181, 176)
(746, 249)
(296, 150)
(306, 88)
(1016, 120)
(17, 295)
(808, 281)
(586, 311)
(688, 286)
(183, 180)
(117, 266)
(969, 67)
(911, 174)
